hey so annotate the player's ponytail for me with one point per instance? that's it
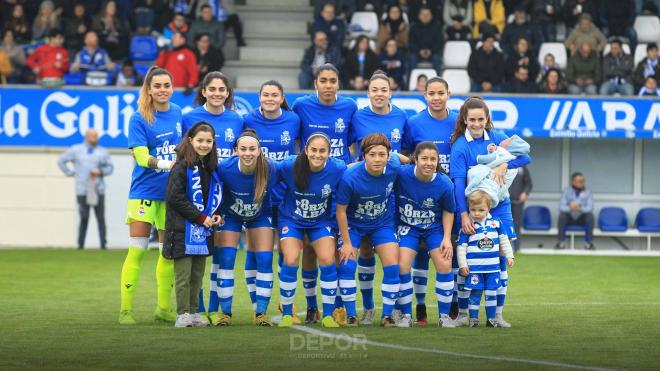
(145, 101)
(430, 146)
(275, 83)
(301, 170)
(262, 172)
(461, 124)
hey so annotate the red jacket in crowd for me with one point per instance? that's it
(52, 62)
(182, 64)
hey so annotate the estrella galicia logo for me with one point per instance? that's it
(485, 244)
(243, 106)
(340, 126)
(285, 138)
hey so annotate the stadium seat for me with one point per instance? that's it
(372, 44)
(558, 50)
(648, 219)
(648, 28)
(74, 78)
(414, 74)
(141, 69)
(456, 54)
(537, 218)
(612, 219)
(364, 23)
(143, 48)
(458, 80)
(640, 53)
(625, 47)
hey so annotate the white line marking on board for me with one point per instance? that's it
(346, 337)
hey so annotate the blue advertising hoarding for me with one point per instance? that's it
(43, 117)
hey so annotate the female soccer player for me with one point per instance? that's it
(215, 100)
(364, 203)
(425, 211)
(327, 112)
(311, 181)
(436, 124)
(379, 117)
(473, 133)
(154, 131)
(247, 180)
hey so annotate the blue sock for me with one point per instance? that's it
(309, 284)
(390, 288)
(444, 290)
(504, 281)
(405, 294)
(328, 288)
(366, 268)
(201, 308)
(214, 290)
(251, 276)
(280, 259)
(288, 282)
(420, 273)
(491, 303)
(226, 278)
(463, 295)
(264, 280)
(347, 286)
(475, 300)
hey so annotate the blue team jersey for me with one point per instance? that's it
(277, 136)
(483, 247)
(420, 204)
(227, 125)
(311, 208)
(369, 198)
(424, 127)
(238, 191)
(392, 125)
(333, 120)
(160, 137)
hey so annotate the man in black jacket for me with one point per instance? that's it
(426, 40)
(521, 83)
(315, 56)
(486, 67)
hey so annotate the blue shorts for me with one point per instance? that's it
(410, 238)
(379, 236)
(483, 281)
(233, 224)
(504, 213)
(288, 229)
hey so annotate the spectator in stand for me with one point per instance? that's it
(393, 62)
(489, 18)
(316, 56)
(422, 79)
(521, 82)
(345, 8)
(548, 63)
(144, 15)
(454, 9)
(650, 88)
(519, 191)
(93, 59)
(511, 5)
(553, 83)
(618, 19)
(75, 29)
(360, 61)
(617, 71)
(45, 21)
(181, 63)
(393, 27)
(210, 26)
(645, 7)
(522, 56)
(413, 7)
(574, 9)
(209, 58)
(585, 32)
(5, 68)
(19, 25)
(178, 24)
(576, 208)
(127, 75)
(519, 28)
(426, 40)
(457, 31)
(486, 67)
(545, 14)
(112, 31)
(648, 66)
(225, 12)
(583, 71)
(334, 28)
(16, 56)
(394, 85)
(50, 60)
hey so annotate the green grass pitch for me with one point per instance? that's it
(60, 312)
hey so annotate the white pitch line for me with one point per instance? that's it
(346, 337)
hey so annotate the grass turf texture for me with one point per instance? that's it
(61, 307)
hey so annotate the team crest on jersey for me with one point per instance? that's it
(340, 126)
(140, 211)
(474, 279)
(428, 203)
(179, 131)
(229, 135)
(389, 189)
(492, 223)
(285, 229)
(485, 243)
(326, 190)
(285, 138)
(395, 136)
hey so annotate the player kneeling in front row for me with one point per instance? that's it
(479, 257)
